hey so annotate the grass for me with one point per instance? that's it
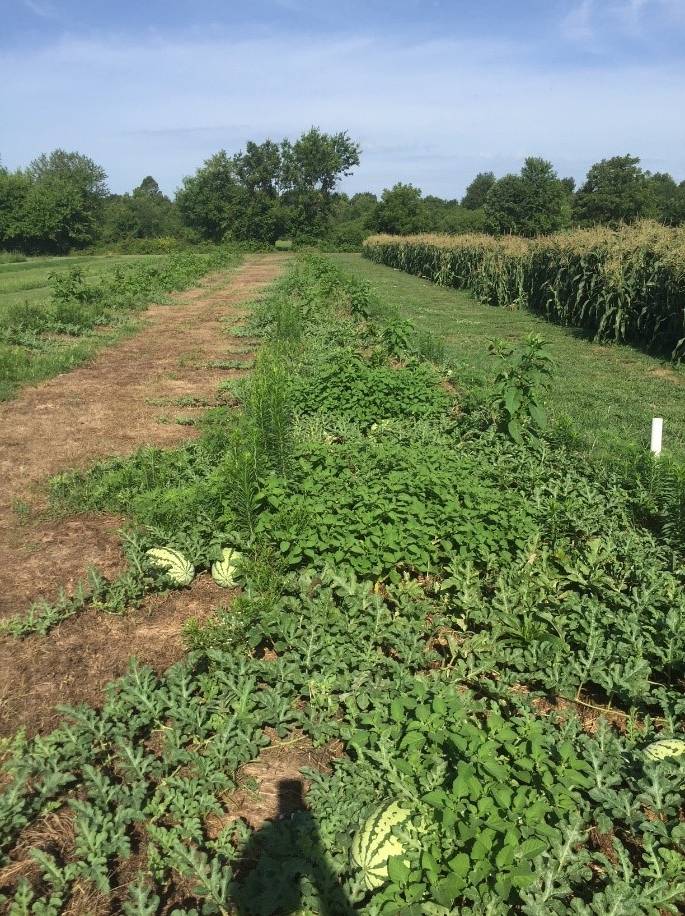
(46, 330)
(609, 392)
(417, 592)
(28, 280)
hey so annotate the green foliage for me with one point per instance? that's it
(418, 589)
(312, 167)
(268, 191)
(379, 505)
(619, 285)
(532, 203)
(54, 205)
(346, 386)
(402, 209)
(82, 301)
(520, 385)
(476, 193)
(616, 190)
(146, 213)
(399, 211)
(351, 221)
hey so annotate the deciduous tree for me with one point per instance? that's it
(616, 190)
(477, 191)
(532, 203)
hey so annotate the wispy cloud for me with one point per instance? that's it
(429, 112)
(42, 8)
(601, 21)
(577, 24)
(630, 14)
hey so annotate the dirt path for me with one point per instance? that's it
(112, 406)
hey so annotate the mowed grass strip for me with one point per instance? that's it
(609, 392)
(45, 331)
(35, 358)
(29, 280)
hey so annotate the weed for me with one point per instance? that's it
(419, 587)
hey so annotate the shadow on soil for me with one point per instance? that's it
(286, 869)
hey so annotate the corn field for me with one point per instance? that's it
(625, 285)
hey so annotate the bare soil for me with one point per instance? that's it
(74, 662)
(111, 406)
(272, 786)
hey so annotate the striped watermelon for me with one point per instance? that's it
(374, 843)
(225, 570)
(173, 563)
(665, 747)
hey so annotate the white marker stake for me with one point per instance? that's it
(657, 430)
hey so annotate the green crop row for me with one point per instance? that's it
(430, 591)
(81, 310)
(625, 285)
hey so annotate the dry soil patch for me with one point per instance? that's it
(108, 407)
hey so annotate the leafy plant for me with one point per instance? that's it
(520, 385)
(425, 606)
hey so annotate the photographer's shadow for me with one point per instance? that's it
(285, 868)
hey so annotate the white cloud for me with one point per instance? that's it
(594, 23)
(432, 113)
(41, 8)
(577, 24)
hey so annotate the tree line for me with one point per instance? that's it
(270, 190)
(537, 201)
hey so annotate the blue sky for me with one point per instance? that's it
(435, 91)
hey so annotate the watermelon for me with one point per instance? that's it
(375, 843)
(225, 570)
(665, 747)
(173, 563)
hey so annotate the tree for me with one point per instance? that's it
(458, 219)
(144, 214)
(400, 210)
(477, 191)
(534, 202)
(14, 188)
(351, 219)
(616, 190)
(312, 167)
(440, 215)
(234, 197)
(259, 168)
(269, 189)
(204, 199)
(256, 211)
(674, 212)
(662, 189)
(63, 206)
(148, 187)
(362, 205)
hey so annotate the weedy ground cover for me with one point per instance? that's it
(29, 278)
(55, 312)
(603, 395)
(422, 577)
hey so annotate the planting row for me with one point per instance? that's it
(625, 285)
(431, 590)
(38, 339)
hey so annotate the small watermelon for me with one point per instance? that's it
(173, 563)
(665, 747)
(225, 570)
(374, 843)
